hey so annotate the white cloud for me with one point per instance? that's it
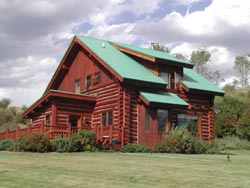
(24, 80)
(117, 33)
(185, 2)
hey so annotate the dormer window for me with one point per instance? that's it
(172, 78)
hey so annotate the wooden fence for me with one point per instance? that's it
(50, 131)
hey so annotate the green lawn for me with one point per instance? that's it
(99, 170)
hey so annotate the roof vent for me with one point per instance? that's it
(103, 45)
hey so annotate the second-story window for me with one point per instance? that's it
(172, 78)
(88, 82)
(97, 78)
(77, 86)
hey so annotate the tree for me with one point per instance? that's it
(242, 68)
(180, 56)
(4, 103)
(200, 58)
(159, 47)
(214, 77)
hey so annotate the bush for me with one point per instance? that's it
(180, 140)
(82, 141)
(135, 148)
(231, 143)
(37, 143)
(6, 145)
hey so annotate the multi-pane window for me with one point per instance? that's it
(172, 78)
(162, 120)
(77, 86)
(107, 118)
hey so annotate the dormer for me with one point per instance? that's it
(160, 63)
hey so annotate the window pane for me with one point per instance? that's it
(47, 120)
(162, 120)
(110, 118)
(88, 82)
(164, 76)
(104, 119)
(77, 86)
(97, 78)
(188, 121)
(172, 81)
(147, 120)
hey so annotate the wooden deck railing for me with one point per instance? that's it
(50, 131)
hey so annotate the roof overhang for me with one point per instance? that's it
(162, 99)
(53, 94)
(200, 91)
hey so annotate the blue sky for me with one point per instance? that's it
(34, 35)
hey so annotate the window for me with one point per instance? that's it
(88, 82)
(77, 86)
(162, 120)
(147, 120)
(188, 121)
(97, 78)
(172, 78)
(107, 118)
(47, 120)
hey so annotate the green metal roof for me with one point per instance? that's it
(195, 81)
(153, 53)
(123, 65)
(163, 98)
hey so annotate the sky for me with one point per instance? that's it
(35, 34)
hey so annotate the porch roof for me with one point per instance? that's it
(58, 94)
(151, 98)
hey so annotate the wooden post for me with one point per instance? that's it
(17, 132)
(54, 113)
(69, 130)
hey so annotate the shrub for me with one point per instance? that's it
(135, 148)
(180, 140)
(37, 143)
(231, 143)
(82, 141)
(6, 145)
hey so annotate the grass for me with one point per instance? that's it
(111, 170)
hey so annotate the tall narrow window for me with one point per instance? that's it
(97, 78)
(147, 120)
(88, 82)
(77, 86)
(47, 120)
(162, 120)
(164, 76)
(107, 118)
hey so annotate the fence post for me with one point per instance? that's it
(17, 132)
(69, 130)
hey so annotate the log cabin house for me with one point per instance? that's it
(126, 94)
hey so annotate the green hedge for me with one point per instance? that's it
(82, 141)
(6, 145)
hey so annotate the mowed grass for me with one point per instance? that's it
(110, 170)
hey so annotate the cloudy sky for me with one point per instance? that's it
(34, 34)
